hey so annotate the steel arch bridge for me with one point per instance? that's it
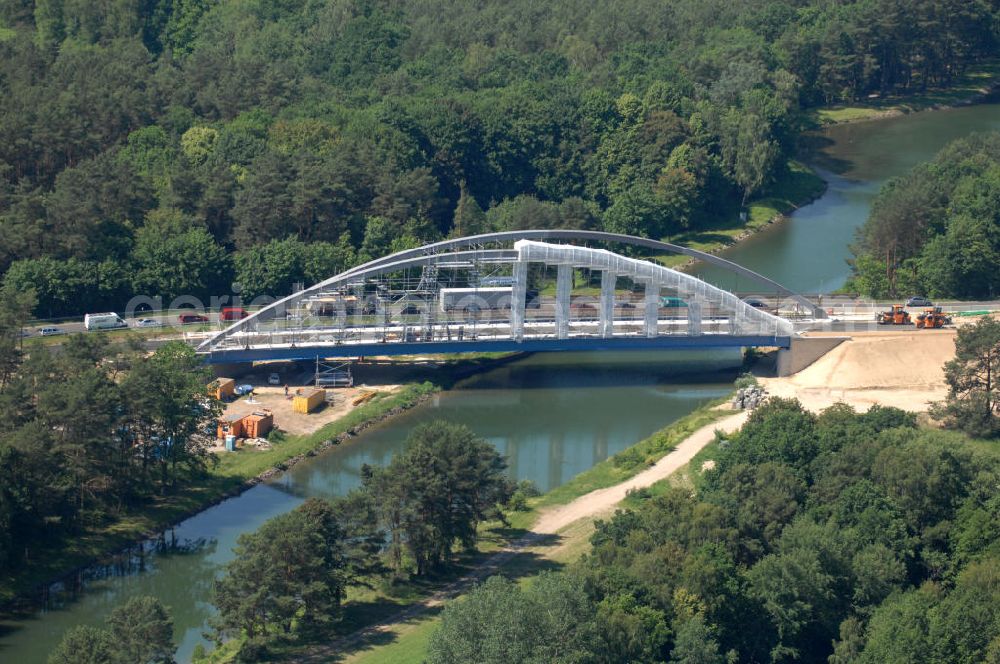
(507, 291)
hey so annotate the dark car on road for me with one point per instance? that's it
(918, 301)
(757, 304)
(188, 319)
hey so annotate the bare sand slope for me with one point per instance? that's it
(902, 369)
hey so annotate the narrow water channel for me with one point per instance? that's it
(808, 252)
(553, 416)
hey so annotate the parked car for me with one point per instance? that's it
(918, 301)
(232, 313)
(672, 303)
(757, 304)
(273, 379)
(148, 322)
(49, 331)
(187, 319)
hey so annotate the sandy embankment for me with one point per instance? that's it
(893, 368)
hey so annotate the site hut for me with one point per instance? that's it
(223, 389)
(230, 425)
(253, 425)
(306, 400)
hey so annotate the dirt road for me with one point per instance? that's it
(604, 501)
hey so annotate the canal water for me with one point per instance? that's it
(808, 252)
(553, 415)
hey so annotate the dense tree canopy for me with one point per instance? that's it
(89, 431)
(973, 376)
(936, 230)
(142, 142)
(433, 495)
(847, 538)
(140, 631)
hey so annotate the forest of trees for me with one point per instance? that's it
(169, 147)
(290, 576)
(140, 631)
(89, 431)
(840, 538)
(936, 230)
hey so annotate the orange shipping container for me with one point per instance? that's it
(222, 388)
(258, 423)
(306, 401)
(230, 425)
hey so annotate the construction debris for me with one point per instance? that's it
(748, 398)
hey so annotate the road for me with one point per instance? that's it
(847, 313)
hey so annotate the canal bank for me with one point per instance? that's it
(808, 251)
(553, 416)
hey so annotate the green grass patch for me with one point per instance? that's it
(968, 87)
(409, 648)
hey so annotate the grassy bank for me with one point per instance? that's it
(232, 474)
(797, 187)
(972, 85)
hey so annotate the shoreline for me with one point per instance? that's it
(984, 95)
(749, 231)
(902, 105)
(25, 601)
(22, 602)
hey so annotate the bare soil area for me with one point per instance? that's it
(901, 368)
(339, 403)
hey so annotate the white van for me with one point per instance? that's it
(108, 321)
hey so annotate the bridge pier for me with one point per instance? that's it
(564, 286)
(652, 296)
(607, 323)
(518, 299)
(803, 351)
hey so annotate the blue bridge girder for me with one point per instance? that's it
(703, 342)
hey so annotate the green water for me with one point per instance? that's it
(808, 251)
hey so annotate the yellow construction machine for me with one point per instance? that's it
(896, 316)
(932, 318)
